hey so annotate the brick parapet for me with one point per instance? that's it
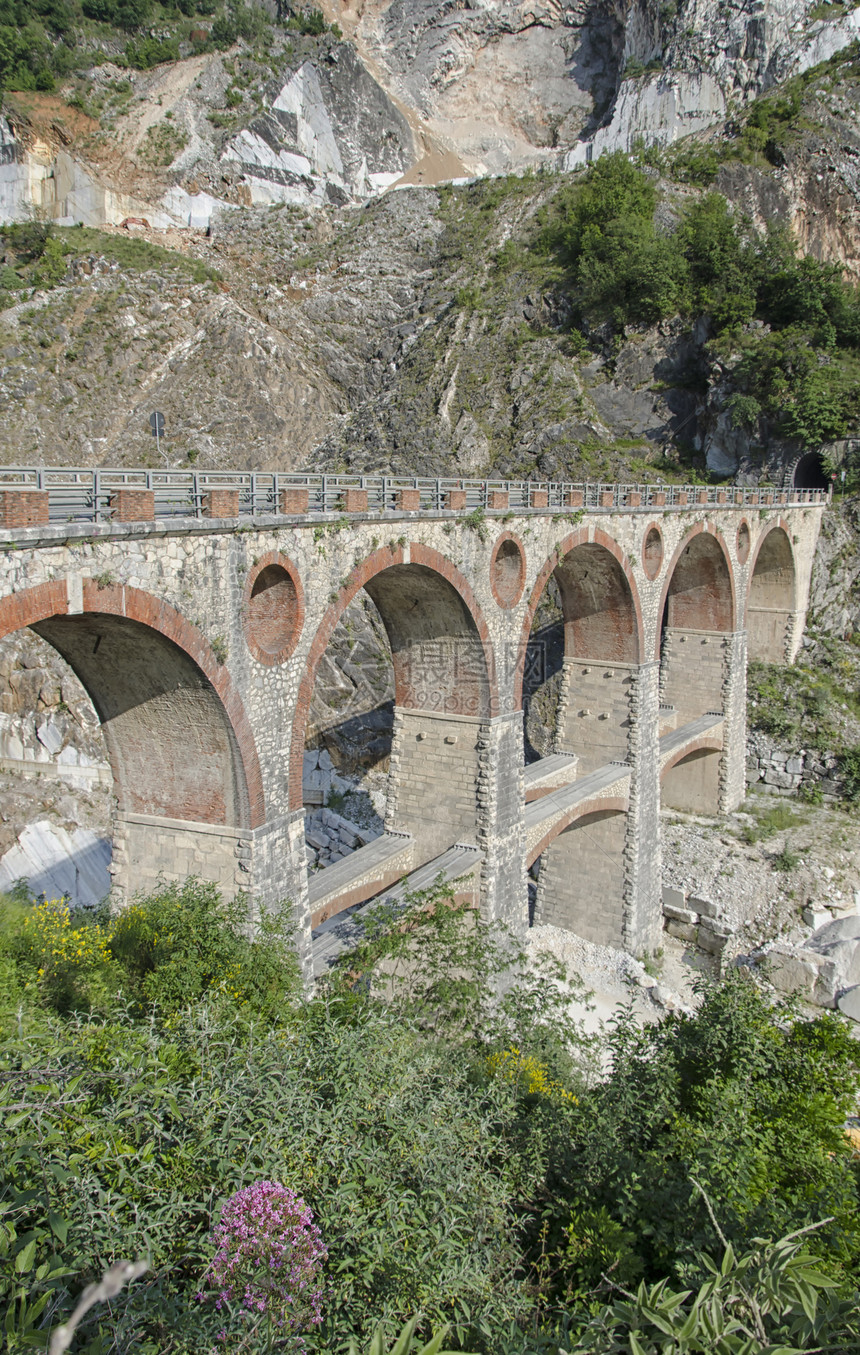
(23, 508)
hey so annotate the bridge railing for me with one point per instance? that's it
(80, 495)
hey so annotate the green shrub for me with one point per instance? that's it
(775, 1296)
(184, 943)
(464, 1156)
(147, 52)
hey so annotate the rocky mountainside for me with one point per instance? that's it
(281, 313)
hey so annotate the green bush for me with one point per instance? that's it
(147, 52)
(184, 943)
(746, 1101)
(463, 1153)
(776, 1296)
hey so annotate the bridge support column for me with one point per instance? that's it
(642, 917)
(433, 779)
(702, 672)
(734, 756)
(501, 829)
(458, 778)
(594, 712)
(267, 863)
(601, 877)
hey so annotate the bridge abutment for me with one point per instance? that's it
(601, 877)
(703, 672)
(433, 780)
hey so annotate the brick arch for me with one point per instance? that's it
(713, 606)
(708, 743)
(778, 525)
(771, 595)
(386, 573)
(178, 738)
(622, 633)
(613, 804)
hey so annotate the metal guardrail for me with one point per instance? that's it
(85, 495)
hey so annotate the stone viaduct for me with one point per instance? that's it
(195, 609)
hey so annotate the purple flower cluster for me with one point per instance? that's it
(270, 1254)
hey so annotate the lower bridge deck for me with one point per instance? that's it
(341, 895)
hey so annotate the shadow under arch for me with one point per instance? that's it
(602, 620)
(601, 608)
(440, 644)
(178, 740)
(690, 780)
(581, 886)
(699, 592)
(771, 596)
(698, 609)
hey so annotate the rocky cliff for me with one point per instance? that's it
(277, 309)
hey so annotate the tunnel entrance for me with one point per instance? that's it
(809, 473)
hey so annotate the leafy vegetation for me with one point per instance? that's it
(770, 819)
(814, 706)
(43, 252)
(798, 366)
(43, 41)
(461, 1151)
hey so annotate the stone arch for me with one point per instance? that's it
(690, 780)
(616, 804)
(440, 642)
(600, 602)
(706, 744)
(771, 596)
(697, 610)
(699, 592)
(581, 883)
(178, 739)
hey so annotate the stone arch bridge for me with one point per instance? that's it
(195, 609)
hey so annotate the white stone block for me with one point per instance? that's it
(680, 914)
(849, 1003)
(673, 898)
(703, 907)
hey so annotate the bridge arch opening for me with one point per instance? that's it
(692, 782)
(584, 637)
(581, 883)
(809, 473)
(185, 773)
(698, 614)
(771, 599)
(420, 684)
(586, 629)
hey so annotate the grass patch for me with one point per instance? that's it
(775, 819)
(162, 145)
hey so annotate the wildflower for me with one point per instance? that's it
(269, 1257)
(529, 1076)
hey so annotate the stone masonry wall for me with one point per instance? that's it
(433, 782)
(581, 883)
(596, 712)
(693, 672)
(784, 771)
(642, 853)
(148, 850)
